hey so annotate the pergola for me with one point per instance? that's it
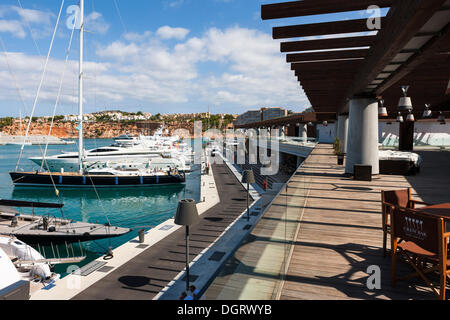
(349, 65)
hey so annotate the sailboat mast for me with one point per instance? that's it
(80, 91)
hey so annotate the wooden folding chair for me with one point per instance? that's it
(420, 239)
(389, 200)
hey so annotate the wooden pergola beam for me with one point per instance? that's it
(326, 55)
(314, 7)
(321, 44)
(343, 65)
(323, 28)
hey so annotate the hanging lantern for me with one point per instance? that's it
(405, 103)
(382, 111)
(410, 117)
(427, 112)
(400, 117)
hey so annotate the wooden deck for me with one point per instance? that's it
(144, 276)
(335, 227)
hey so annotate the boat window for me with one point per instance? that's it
(103, 150)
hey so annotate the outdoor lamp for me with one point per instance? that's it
(400, 117)
(382, 111)
(410, 117)
(248, 177)
(187, 215)
(405, 103)
(427, 111)
(441, 118)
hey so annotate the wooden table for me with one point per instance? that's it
(439, 210)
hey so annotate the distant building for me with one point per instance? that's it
(260, 115)
(248, 117)
(273, 113)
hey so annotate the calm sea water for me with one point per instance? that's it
(131, 208)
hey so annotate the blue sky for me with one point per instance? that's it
(157, 56)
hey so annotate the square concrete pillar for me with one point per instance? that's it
(362, 140)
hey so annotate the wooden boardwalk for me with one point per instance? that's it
(143, 277)
(327, 227)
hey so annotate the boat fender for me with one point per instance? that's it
(86, 234)
(51, 229)
(109, 255)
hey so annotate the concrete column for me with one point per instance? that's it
(342, 131)
(362, 142)
(303, 131)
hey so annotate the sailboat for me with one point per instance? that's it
(105, 178)
(49, 230)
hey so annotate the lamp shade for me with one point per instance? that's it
(382, 110)
(427, 112)
(187, 213)
(248, 177)
(405, 103)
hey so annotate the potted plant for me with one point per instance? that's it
(337, 151)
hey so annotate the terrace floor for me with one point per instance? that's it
(334, 226)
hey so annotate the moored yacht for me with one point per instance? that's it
(143, 150)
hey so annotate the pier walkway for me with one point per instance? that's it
(322, 233)
(143, 277)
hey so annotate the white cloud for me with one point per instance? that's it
(235, 67)
(13, 27)
(96, 23)
(20, 19)
(167, 32)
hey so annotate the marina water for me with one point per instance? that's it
(136, 208)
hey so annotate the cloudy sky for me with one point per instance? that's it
(165, 56)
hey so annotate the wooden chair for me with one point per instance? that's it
(422, 240)
(389, 200)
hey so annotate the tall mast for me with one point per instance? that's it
(80, 92)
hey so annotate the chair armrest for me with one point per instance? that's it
(414, 202)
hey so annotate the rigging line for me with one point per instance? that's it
(40, 84)
(58, 96)
(29, 29)
(19, 92)
(120, 16)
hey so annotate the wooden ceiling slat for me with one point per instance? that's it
(314, 7)
(404, 20)
(425, 53)
(323, 28)
(321, 44)
(326, 55)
